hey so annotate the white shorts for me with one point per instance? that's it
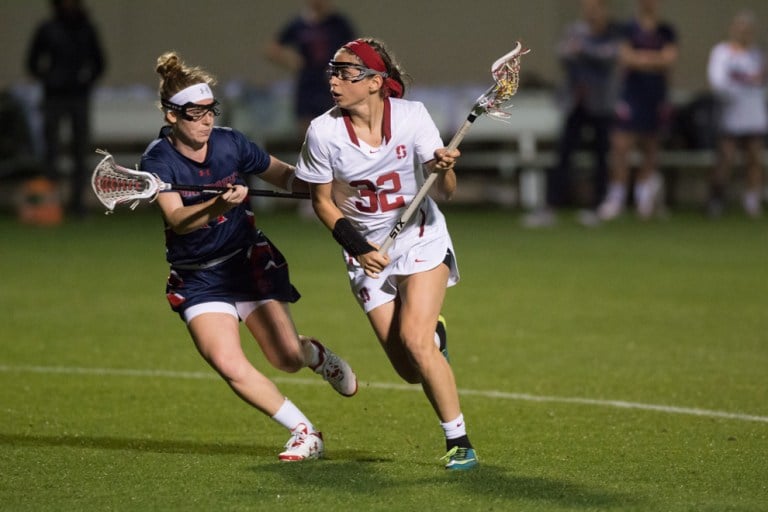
(239, 310)
(424, 255)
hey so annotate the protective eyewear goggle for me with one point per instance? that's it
(350, 72)
(193, 111)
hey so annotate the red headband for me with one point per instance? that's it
(371, 59)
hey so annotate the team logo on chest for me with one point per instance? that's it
(401, 152)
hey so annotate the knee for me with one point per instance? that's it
(232, 367)
(419, 356)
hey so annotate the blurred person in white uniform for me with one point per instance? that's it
(737, 75)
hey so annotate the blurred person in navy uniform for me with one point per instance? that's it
(304, 46)
(738, 74)
(588, 52)
(66, 56)
(647, 53)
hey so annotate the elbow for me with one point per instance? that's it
(179, 226)
(447, 194)
(181, 230)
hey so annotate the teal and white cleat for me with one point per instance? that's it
(460, 459)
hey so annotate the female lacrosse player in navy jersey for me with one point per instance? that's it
(223, 269)
(365, 161)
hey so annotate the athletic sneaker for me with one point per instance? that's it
(460, 459)
(335, 370)
(540, 218)
(441, 337)
(751, 203)
(587, 218)
(613, 204)
(303, 445)
(648, 196)
(609, 209)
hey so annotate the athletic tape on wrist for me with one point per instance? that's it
(348, 237)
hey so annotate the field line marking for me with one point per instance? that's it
(525, 397)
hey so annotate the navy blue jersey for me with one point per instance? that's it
(316, 43)
(230, 154)
(647, 85)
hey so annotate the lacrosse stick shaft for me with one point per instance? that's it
(416, 201)
(114, 184)
(251, 191)
(505, 73)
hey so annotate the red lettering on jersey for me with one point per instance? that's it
(381, 195)
(401, 152)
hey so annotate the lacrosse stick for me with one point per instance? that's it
(494, 102)
(115, 184)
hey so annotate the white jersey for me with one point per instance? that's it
(742, 103)
(372, 186)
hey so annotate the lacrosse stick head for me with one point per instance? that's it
(114, 184)
(506, 75)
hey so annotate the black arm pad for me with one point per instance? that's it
(348, 237)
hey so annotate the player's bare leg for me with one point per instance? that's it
(406, 330)
(752, 198)
(615, 197)
(273, 328)
(719, 176)
(648, 184)
(217, 338)
(421, 299)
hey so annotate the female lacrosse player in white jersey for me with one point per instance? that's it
(223, 269)
(365, 160)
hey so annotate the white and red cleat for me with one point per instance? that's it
(303, 445)
(334, 369)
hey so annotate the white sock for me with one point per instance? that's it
(290, 417)
(645, 190)
(454, 428)
(751, 201)
(311, 352)
(617, 192)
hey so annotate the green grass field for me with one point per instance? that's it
(617, 368)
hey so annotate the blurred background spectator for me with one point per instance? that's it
(65, 55)
(737, 75)
(304, 46)
(647, 53)
(588, 52)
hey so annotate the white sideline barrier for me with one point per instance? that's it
(125, 116)
(516, 151)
